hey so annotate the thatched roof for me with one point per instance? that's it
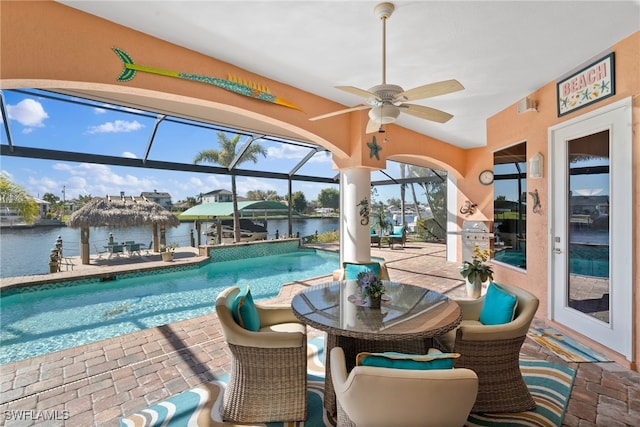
(122, 212)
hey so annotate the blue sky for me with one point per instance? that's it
(40, 122)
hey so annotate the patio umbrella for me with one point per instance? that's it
(119, 211)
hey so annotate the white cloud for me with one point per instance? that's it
(286, 151)
(251, 184)
(118, 126)
(97, 180)
(98, 110)
(216, 182)
(27, 112)
(129, 155)
(44, 185)
(195, 181)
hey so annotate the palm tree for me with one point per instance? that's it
(225, 157)
(435, 191)
(14, 196)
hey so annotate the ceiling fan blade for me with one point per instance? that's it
(426, 113)
(372, 126)
(432, 89)
(346, 110)
(356, 91)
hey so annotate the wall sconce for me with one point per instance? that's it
(527, 104)
(536, 163)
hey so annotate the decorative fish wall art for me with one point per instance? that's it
(232, 84)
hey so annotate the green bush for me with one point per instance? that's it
(328, 237)
(429, 231)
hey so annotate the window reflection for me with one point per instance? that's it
(509, 206)
(588, 231)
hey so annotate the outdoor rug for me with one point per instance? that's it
(565, 347)
(550, 385)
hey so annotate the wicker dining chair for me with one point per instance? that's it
(268, 381)
(493, 351)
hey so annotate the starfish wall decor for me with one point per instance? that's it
(375, 148)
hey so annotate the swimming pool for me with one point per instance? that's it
(41, 319)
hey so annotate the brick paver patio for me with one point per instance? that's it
(96, 384)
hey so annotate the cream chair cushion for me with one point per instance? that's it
(372, 396)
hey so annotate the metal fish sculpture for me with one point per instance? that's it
(233, 84)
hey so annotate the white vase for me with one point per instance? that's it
(474, 290)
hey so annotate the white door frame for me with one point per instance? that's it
(617, 118)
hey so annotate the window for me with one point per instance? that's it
(510, 205)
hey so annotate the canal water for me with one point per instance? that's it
(26, 251)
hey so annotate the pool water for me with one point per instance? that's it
(41, 319)
(584, 259)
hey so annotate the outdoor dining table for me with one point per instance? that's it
(409, 317)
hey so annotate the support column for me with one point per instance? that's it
(453, 235)
(84, 246)
(355, 195)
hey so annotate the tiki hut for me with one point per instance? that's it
(120, 211)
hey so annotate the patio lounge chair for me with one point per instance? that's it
(100, 253)
(492, 351)
(399, 235)
(381, 396)
(148, 249)
(375, 238)
(115, 249)
(133, 248)
(268, 379)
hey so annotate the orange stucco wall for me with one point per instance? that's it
(508, 127)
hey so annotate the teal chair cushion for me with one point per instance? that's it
(499, 306)
(407, 361)
(244, 311)
(351, 270)
(398, 230)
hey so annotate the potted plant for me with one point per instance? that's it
(380, 222)
(167, 251)
(371, 288)
(476, 272)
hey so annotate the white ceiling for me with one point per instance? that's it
(500, 51)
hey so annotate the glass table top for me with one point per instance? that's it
(337, 308)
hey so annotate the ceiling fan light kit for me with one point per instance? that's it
(387, 101)
(384, 114)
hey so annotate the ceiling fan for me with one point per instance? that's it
(387, 101)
